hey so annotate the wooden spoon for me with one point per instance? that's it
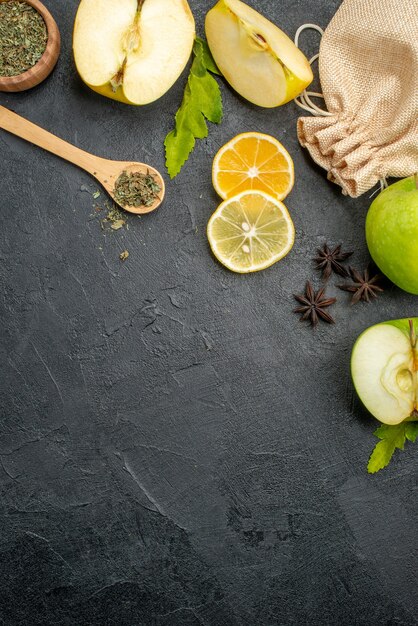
(104, 170)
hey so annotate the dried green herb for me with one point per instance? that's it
(114, 218)
(136, 189)
(23, 37)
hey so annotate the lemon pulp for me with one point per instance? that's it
(250, 232)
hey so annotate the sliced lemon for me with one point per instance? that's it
(250, 232)
(253, 161)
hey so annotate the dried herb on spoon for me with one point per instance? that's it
(136, 189)
(23, 37)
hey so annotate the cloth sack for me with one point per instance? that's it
(368, 64)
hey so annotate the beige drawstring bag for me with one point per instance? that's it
(368, 65)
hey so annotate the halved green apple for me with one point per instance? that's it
(132, 50)
(258, 59)
(384, 368)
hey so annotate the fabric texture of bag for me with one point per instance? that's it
(368, 65)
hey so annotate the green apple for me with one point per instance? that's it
(132, 50)
(384, 368)
(392, 233)
(257, 59)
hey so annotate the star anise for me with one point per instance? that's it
(364, 285)
(313, 305)
(329, 261)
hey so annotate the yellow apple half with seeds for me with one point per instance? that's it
(257, 59)
(384, 368)
(132, 50)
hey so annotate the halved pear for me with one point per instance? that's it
(258, 59)
(384, 368)
(132, 50)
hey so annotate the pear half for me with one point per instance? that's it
(132, 50)
(384, 368)
(257, 59)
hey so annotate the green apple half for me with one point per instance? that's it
(132, 50)
(384, 368)
(257, 59)
(392, 233)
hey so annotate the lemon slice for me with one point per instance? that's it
(250, 232)
(253, 161)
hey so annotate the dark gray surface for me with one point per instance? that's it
(176, 448)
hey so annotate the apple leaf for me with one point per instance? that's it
(411, 431)
(202, 89)
(206, 57)
(202, 101)
(392, 438)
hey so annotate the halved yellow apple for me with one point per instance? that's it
(132, 50)
(258, 59)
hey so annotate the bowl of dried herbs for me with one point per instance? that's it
(29, 44)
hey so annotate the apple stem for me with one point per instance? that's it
(412, 334)
(413, 339)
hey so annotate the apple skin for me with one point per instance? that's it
(392, 233)
(403, 326)
(107, 91)
(294, 87)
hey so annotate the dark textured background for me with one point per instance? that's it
(176, 448)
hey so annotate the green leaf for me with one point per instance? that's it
(202, 101)
(206, 56)
(178, 146)
(188, 117)
(392, 438)
(411, 431)
(381, 456)
(206, 91)
(395, 433)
